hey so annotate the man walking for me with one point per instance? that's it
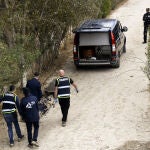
(146, 19)
(62, 92)
(34, 86)
(30, 114)
(10, 102)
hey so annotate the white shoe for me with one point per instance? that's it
(35, 143)
(11, 144)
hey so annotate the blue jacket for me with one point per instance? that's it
(35, 87)
(29, 109)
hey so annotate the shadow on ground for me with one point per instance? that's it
(135, 145)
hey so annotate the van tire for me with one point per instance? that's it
(117, 64)
(77, 66)
(124, 47)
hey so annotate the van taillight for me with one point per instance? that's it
(113, 49)
(76, 42)
(112, 38)
(74, 49)
(113, 43)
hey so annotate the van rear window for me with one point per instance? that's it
(94, 39)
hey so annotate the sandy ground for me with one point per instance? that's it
(112, 109)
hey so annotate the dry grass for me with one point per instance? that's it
(0, 112)
(59, 62)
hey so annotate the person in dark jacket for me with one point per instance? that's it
(146, 19)
(34, 86)
(30, 114)
(9, 110)
(62, 92)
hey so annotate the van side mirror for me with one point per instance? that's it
(124, 29)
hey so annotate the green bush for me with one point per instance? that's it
(105, 8)
(115, 2)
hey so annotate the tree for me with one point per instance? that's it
(31, 31)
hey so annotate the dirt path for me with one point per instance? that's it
(112, 109)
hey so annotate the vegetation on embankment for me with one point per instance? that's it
(32, 31)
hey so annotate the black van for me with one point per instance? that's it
(99, 42)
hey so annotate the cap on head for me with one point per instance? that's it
(61, 73)
(36, 74)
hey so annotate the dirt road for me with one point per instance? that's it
(112, 109)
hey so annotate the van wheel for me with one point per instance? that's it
(124, 47)
(117, 64)
(77, 66)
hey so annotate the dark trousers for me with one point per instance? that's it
(64, 105)
(35, 132)
(145, 33)
(10, 119)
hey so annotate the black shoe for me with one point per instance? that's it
(21, 138)
(144, 42)
(63, 123)
(30, 145)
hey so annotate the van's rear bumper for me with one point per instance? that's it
(91, 62)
